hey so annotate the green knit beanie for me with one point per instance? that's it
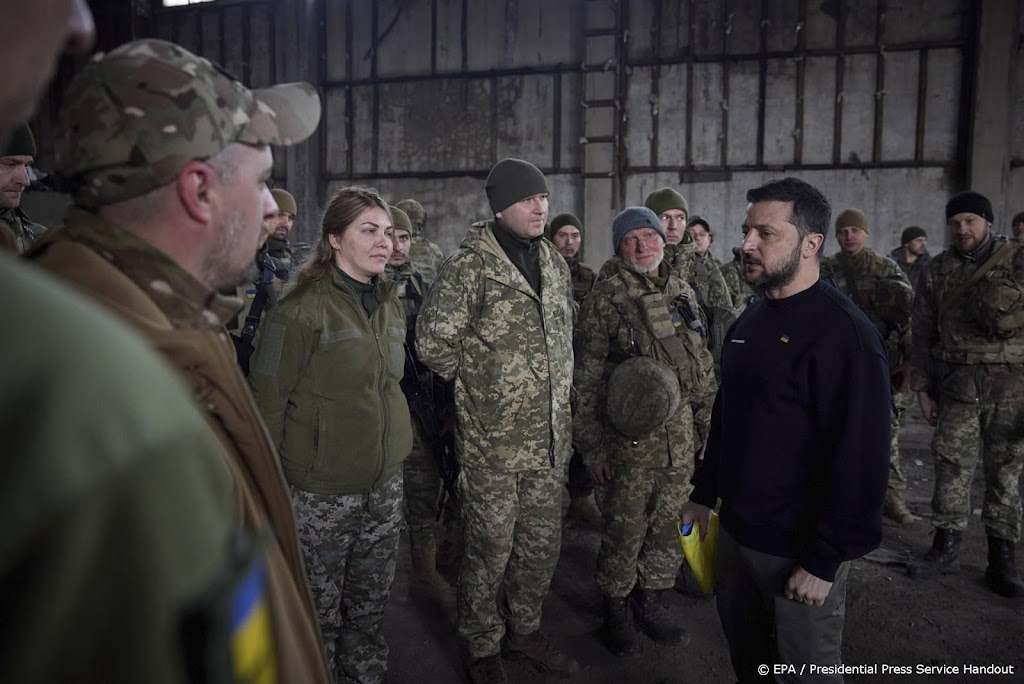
(285, 201)
(21, 142)
(400, 219)
(852, 217)
(511, 180)
(664, 199)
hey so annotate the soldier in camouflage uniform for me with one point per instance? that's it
(425, 256)
(735, 278)
(641, 311)
(165, 216)
(877, 285)
(703, 275)
(566, 234)
(912, 255)
(17, 232)
(282, 254)
(968, 372)
(499, 320)
(420, 474)
(700, 230)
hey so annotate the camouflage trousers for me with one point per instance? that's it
(422, 484)
(640, 544)
(997, 431)
(513, 531)
(349, 544)
(897, 479)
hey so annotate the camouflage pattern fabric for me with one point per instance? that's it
(640, 544)
(858, 277)
(740, 290)
(897, 478)
(978, 382)
(509, 351)
(997, 430)
(583, 278)
(628, 315)
(912, 271)
(23, 232)
(422, 485)
(133, 117)
(953, 355)
(513, 530)
(349, 544)
(425, 256)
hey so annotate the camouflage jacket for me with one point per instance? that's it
(425, 256)
(282, 256)
(913, 271)
(184, 321)
(957, 353)
(509, 351)
(858, 277)
(621, 319)
(17, 226)
(583, 278)
(740, 290)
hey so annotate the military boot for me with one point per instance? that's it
(1001, 575)
(656, 619)
(583, 509)
(541, 653)
(897, 511)
(618, 632)
(486, 670)
(425, 579)
(941, 559)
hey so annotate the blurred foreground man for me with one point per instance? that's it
(799, 444)
(968, 371)
(499, 320)
(164, 217)
(119, 511)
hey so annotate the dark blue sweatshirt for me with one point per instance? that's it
(799, 445)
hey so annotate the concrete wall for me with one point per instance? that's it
(872, 100)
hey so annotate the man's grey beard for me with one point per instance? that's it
(784, 275)
(653, 268)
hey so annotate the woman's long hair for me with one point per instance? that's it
(342, 211)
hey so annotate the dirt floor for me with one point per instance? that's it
(891, 620)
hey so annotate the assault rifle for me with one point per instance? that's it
(421, 405)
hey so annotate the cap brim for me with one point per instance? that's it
(284, 114)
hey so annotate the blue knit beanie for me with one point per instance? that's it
(633, 218)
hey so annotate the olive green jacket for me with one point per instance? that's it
(509, 351)
(326, 379)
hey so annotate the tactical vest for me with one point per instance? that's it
(982, 323)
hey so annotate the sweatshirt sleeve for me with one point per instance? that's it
(448, 314)
(855, 406)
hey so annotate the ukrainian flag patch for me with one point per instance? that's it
(252, 646)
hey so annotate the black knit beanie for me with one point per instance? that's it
(969, 201)
(912, 233)
(21, 142)
(511, 180)
(566, 219)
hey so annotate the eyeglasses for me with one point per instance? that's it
(648, 237)
(678, 220)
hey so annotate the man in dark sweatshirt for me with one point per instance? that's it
(798, 452)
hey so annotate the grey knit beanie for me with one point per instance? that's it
(634, 218)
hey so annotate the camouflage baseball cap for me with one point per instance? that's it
(136, 115)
